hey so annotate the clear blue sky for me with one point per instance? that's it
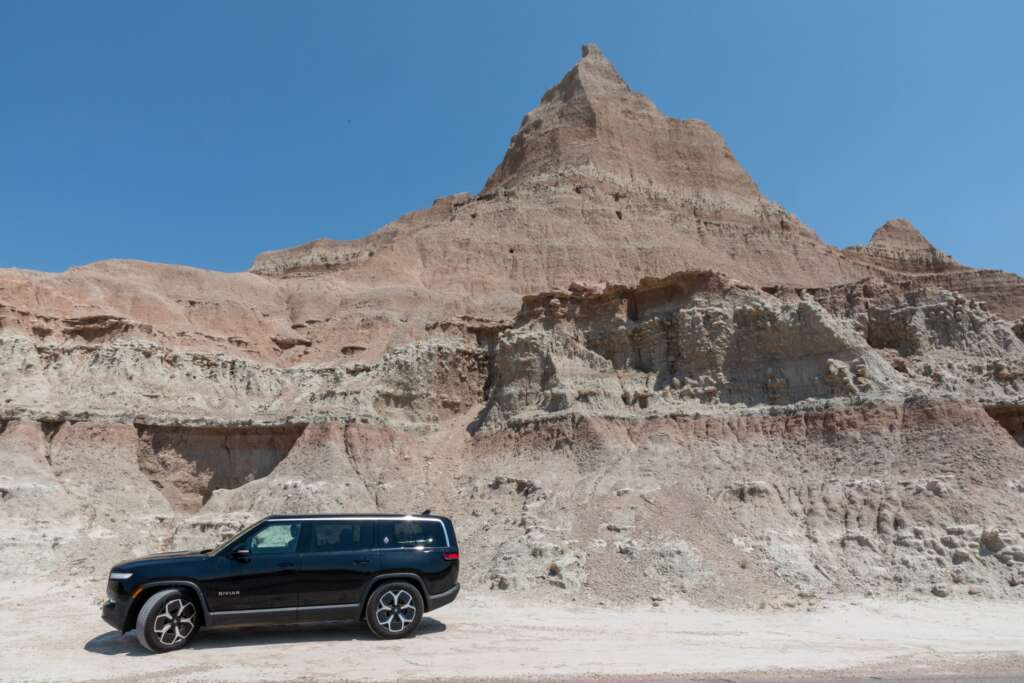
(203, 133)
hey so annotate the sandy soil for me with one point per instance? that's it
(53, 633)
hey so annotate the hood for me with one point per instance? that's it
(159, 558)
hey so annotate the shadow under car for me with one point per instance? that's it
(113, 643)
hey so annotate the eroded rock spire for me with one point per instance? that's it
(898, 245)
(593, 124)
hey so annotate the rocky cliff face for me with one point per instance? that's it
(619, 368)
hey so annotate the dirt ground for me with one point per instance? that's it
(49, 632)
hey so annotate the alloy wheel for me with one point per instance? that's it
(175, 623)
(396, 610)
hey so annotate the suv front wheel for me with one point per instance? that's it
(394, 610)
(167, 621)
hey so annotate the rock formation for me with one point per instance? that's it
(899, 246)
(902, 253)
(622, 370)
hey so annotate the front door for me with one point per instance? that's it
(337, 560)
(265, 578)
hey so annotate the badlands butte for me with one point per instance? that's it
(625, 373)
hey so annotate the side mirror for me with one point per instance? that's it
(240, 554)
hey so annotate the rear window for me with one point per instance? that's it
(338, 536)
(405, 533)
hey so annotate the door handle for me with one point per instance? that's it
(285, 564)
(362, 562)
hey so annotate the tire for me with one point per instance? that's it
(168, 620)
(394, 610)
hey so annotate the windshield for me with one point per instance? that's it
(234, 538)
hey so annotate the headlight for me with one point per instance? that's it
(120, 576)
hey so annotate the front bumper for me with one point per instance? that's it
(442, 599)
(115, 613)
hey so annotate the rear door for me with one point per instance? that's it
(337, 559)
(418, 545)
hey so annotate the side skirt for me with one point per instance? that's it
(316, 613)
(284, 615)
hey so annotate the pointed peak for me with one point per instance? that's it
(591, 56)
(900, 233)
(593, 124)
(593, 78)
(901, 247)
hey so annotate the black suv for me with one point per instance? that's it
(386, 569)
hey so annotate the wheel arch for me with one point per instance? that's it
(410, 577)
(147, 590)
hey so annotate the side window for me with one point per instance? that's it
(276, 537)
(337, 536)
(402, 533)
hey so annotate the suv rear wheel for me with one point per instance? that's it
(394, 610)
(167, 621)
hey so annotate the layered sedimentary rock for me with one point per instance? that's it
(622, 370)
(900, 247)
(902, 253)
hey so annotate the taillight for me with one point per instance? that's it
(450, 556)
